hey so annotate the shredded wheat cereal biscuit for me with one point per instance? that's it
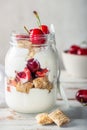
(24, 43)
(59, 117)
(43, 119)
(42, 83)
(24, 88)
(28, 45)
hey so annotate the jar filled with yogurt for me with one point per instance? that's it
(31, 68)
(31, 74)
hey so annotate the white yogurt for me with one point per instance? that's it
(35, 101)
(15, 60)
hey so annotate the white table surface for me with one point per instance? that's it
(10, 120)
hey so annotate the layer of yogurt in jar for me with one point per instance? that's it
(30, 91)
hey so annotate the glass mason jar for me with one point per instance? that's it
(31, 67)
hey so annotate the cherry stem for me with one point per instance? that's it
(81, 100)
(37, 16)
(26, 29)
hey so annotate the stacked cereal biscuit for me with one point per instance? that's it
(57, 117)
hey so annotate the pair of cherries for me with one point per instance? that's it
(74, 49)
(36, 35)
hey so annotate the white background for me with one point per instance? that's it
(68, 16)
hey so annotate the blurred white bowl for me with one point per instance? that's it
(75, 65)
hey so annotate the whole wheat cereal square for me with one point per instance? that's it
(41, 82)
(24, 88)
(59, 117)
(24, 43)
(43, 119)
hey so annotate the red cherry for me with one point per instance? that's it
(73, 49)
(41, 72)
(45, 29)
(33, 65)
(82, 51)
(81, 96)
(23, 76)
(28, 73)
(37, 36)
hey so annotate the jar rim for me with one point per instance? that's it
(16, 36)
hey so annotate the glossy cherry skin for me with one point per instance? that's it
(82, 51)
(81, 96)
(73, 49)
(45, 29)
(37, 36)
(33, 65)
